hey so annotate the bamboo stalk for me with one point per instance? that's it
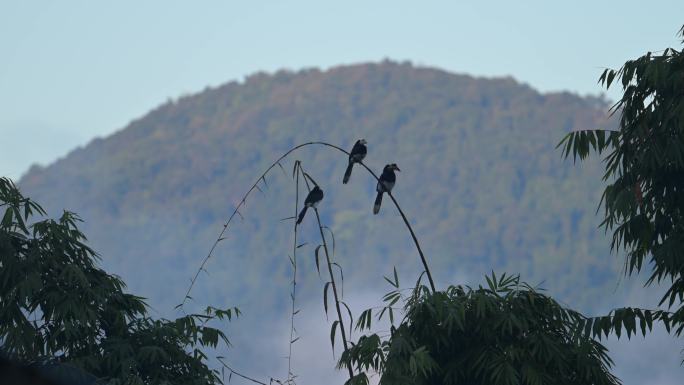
(263, 176)
(290, 376)
(329, 263)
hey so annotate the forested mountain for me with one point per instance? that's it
(480, 180)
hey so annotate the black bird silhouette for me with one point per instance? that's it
(356, 155)
(385, 184)
(312, 200)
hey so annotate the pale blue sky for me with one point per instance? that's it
(74, 70)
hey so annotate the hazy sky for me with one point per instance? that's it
(74, 70)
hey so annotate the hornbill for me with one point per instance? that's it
(312, 200)
(385, 184)
(356, 155)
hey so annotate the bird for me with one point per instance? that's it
(312, 199)
(385, 184)
(356, 155)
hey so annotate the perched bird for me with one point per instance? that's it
(356, 155)
(385, 184)
(312, 200)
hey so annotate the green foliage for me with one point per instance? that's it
(56, 305)
(505, 333)
(644, 169)
(628, 319)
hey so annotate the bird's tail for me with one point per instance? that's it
(301, 215)
(347, 173)
(378, 202)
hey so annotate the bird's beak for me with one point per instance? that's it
(397, 168)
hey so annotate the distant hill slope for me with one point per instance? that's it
(480, 180)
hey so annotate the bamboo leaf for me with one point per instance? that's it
(295, 168)
(351, 318)
(325, 297)
(318, 264)
(332, 235)
(332, 334)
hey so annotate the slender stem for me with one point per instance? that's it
(240, 374)
(415, 240)
(334, 287)
(332, 276)
(294, 284)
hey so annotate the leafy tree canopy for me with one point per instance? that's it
(644, 170)
(506, 333)
(58, 308)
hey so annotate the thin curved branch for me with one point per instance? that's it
(230, 219)
(345, 343)
(329, 263)
(403, 216)
(262, 177)
(233, 371)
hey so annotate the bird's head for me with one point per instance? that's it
(363, 141)
(394, 167)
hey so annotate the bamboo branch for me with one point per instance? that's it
(345, 343)
(262, 177)
(396, 204)
(290, 376)
(233, 371)
(334, 287)
(230, 219)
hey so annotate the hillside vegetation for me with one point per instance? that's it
(481, 181)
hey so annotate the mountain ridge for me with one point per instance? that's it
(600, 100)
(186, 160)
